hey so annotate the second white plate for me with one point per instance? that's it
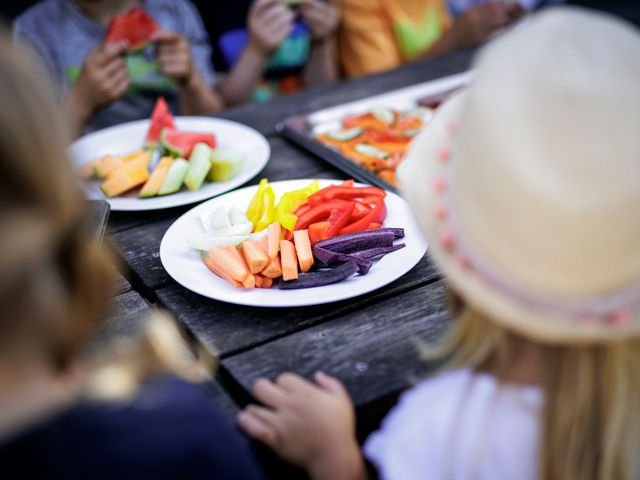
(128, 137)
(186, 267)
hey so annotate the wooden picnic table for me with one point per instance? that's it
(369, 342)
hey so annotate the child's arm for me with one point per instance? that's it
(174, 60)
(323, 19)
(103, 78)
(269, 23)
(312, 426)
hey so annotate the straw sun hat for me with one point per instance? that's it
(527, 184)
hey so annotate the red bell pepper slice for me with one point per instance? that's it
(346, 193)
(359, 210)
(377, 215)
(318, 213)
(301, 209)
(338, 219)
(317, 231)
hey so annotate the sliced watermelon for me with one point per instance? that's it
(180, 144)
(135, 26)
(160, 118)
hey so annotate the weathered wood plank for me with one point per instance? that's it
(264, 117)
(226, 328)
(140, 249)
(120, 284)
(373, 351)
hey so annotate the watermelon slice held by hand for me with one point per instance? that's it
(135, 27)
(180, 144)
(161, 118)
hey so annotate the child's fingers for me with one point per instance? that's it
(116, 66)
(331, 384)
(165, 37)
(109, 52)
(292, 383)
(268, 393)
(260, 6)
(267, 415)
(256, 427)
(277, 14)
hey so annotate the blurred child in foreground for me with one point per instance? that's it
(271, 47)
(61, 415)
(379, 35)
(529, 201)
(102, 85)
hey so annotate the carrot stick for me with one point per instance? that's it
(274, 234)
(303, 249)
(255, 257)
(289, 260)
(273, 268)
(215, 269)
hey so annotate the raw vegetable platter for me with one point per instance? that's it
(185, 263)
(368, 138)
(129, 137)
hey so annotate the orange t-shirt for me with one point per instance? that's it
(378, 35)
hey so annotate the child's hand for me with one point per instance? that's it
(478, 23)
(174, 55)
(270, 22)
(322, 17)
(103, 77)
(312, 426)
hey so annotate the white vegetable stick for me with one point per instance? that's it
(237, 216)
(242, 229)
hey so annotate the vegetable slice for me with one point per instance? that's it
(371, 151)
(321, 277)
(345, 134)
(303, 249)
(289, 260)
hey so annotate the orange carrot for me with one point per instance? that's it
(274, 234)
(258, 280)
(229, 261)
(303, 249)
(263, 243)
(273, 268)
(289, 260)
(255, 257)
(267, 282)
(213, 266)
(249, 282)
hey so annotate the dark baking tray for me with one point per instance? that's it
(301, 129)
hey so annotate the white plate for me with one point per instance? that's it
(186, 267)
(128, 137)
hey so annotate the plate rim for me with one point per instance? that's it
(423, 247)
(178, 200)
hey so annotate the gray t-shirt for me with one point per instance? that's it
(62, 36)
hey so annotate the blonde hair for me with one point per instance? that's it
(590, 418)
(54, 279)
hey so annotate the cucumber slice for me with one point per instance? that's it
(199, 166)
(423, 113)
(225, 164)
(371, 151)
(346, 134)
(383, 114)
(412, 133)
(175, 177)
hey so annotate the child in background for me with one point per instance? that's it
(379, 35)
(530, 204)
(101, 85)
(58, 418)
(271, 47)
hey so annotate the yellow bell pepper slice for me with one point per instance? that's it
(256, 207)
(290, 202)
